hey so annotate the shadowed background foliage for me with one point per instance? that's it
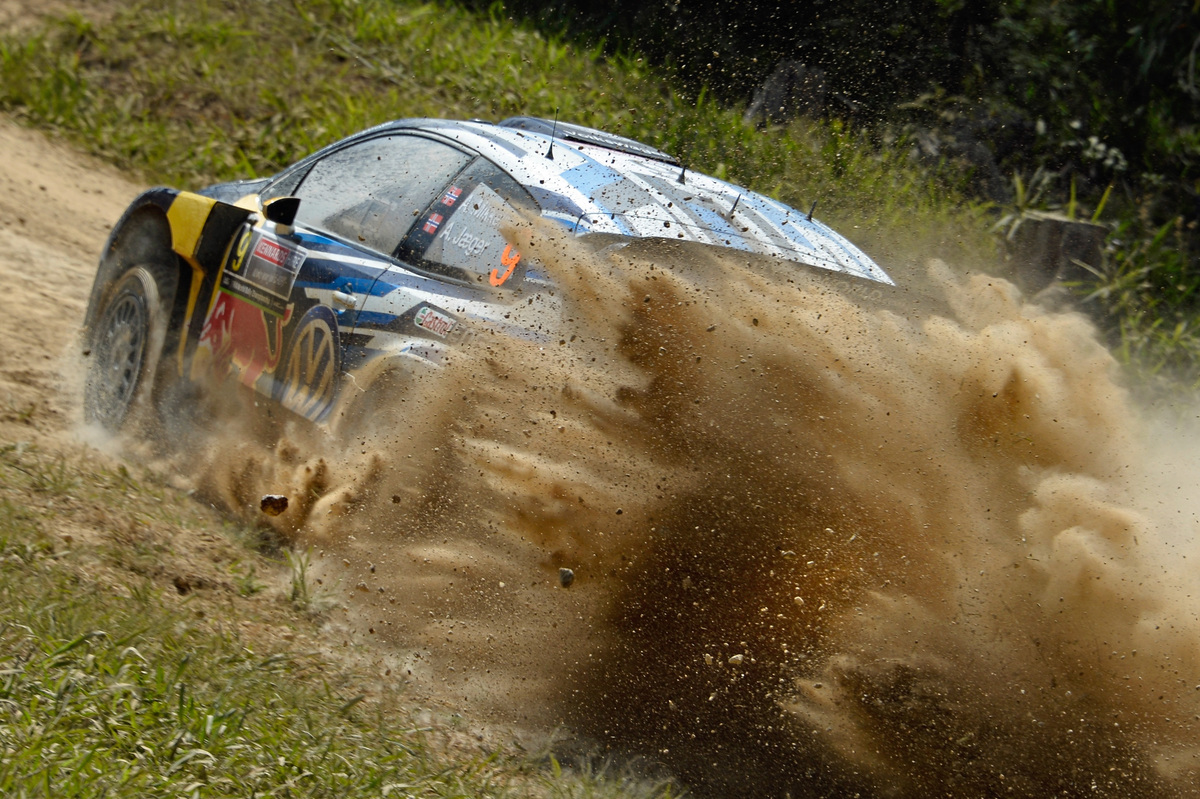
(1043, 74)
(934, 119)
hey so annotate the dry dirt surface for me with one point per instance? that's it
(22, 15)
(56, 210)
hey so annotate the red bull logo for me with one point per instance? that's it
(242, 339)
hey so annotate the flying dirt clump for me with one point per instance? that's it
(816, 546)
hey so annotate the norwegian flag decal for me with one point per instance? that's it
(452, 196)
(431, 224)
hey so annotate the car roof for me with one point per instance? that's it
(578, 133)
(596, 182)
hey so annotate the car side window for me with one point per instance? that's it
(372, 192)
(463, 234)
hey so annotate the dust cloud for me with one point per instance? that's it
(819, 546)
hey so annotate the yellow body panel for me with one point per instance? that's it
(187, 216)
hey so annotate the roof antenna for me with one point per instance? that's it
(682, 176)
(553, 133)
(810, 210)
(735, 205)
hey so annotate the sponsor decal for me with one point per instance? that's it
(434, 321)
(239, 339)
(271, 252)
(262, 270)
(431, 224)
(451, 196)
(509, 259)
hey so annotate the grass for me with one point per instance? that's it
(1147, 299)
(191, 92)
(106, 695)
(114, 684)
(303, 595)
(47, 475)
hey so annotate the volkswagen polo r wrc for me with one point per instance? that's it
(386, 251)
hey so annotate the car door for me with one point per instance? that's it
(368, 195)
(291, 296)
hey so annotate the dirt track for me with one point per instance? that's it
(56, 208)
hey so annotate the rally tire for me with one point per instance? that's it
(312, 369)
(126, 343)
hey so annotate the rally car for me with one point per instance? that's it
(390, 247)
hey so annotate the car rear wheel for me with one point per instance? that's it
(125, 346)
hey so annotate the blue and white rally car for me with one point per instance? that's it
(388, 247)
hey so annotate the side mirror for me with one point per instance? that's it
(282, 210)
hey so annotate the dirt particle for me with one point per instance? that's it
(273, 504)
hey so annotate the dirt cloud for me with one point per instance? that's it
(819, 547)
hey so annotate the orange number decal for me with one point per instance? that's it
(509, 258)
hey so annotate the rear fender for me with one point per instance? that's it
(185, 237)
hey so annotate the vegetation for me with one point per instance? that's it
(1094, 90)
(110, 686)
(192, 92)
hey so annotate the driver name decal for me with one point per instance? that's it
(487, 211)
(470, 243)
